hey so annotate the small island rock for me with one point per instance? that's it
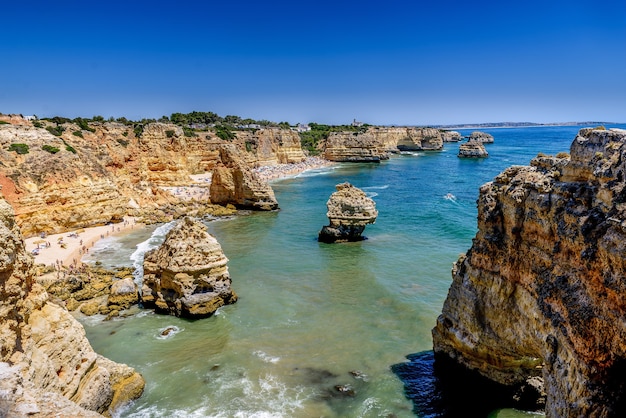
(187, 275)
(481, 137)
(349, 210)
(472, 149)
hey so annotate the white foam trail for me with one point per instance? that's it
(154, 241)
(375, 187)
(266, 357)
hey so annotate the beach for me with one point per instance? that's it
(67, 248)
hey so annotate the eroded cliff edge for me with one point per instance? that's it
(542, 291)
(47, 366)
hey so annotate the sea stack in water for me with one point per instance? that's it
(349, 210)
(542, 291)
(187, 275)
(483, 137)
(472, 149)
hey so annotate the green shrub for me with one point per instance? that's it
(82, 124)
(78, 134)
(69, 148)
(224, 132)
(188, 132)
(123, 142)
(125, 133)
(169, 133)
(56, 131)
(138, 129)
(50, 149)
(37, 124)
(2, 122)
(19, 148)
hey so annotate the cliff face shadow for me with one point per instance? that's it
(439, 388)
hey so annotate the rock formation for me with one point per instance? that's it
(272, 146)
(187, 275)
(481, 137)
(84, 177)
(235, 183)
(375, 143)
(542, 291)
(472, 149)
(349, 211)
(47, 367)
(451, 136)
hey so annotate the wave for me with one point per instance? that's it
(375, 187)
(156, 239)
(266, 357)
(371, 194)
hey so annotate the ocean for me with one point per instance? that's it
(317, 327)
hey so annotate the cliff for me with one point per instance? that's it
(375, 143)
(542, 291)
(187, 275)
(84, 177)
(472, 149)
(47, 366)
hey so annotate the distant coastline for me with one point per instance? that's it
(520, 124)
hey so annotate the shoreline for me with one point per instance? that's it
(283, 171)
(66, 249)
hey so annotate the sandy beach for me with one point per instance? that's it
(68, 248)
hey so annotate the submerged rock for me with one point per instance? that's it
(542, 291)
(472, 149)
(187, 275)
(349, 211)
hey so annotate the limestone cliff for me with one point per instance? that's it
(349, 211)
(234, 182)
(481, 137)
(542, 291)
(47, 366)
(83, 177)
(451, 136)
(272, 146)
(187, 275)
(374, 144)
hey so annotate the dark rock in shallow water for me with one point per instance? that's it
(442, 389)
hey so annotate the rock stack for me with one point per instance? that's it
(349, 210)
(542, 291)
(481, 137)
(472, 149)
(187, 275)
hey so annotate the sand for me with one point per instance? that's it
(68, 248)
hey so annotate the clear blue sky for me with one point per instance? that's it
(386, 62)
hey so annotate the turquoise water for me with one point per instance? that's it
(313, 316)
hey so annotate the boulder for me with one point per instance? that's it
(349, 211)
(123, 293)
(451, 136)
(187, 275)
(472, 149)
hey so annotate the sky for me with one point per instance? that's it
(387, 62)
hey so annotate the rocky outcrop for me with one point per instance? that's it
(375, 143)
(542, 291)
(233, 182)
(47, 366)
(187, 275)
(354, 147)
(85, 177)
(472, 149)
(349, 211)
(419, 139)
(451, 136)
(272, 146)
(481, 137)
